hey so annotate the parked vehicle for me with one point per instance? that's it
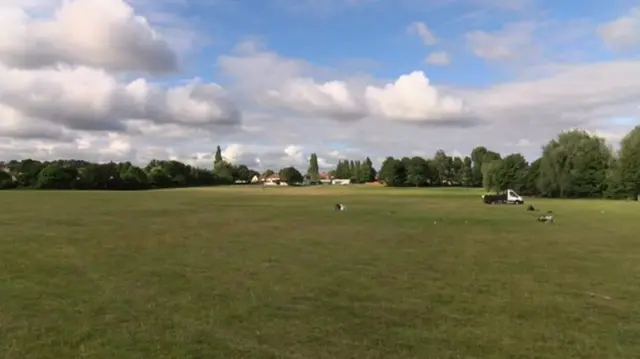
(509, 196)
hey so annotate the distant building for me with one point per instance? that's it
(341, 182)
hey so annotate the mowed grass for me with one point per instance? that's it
(276, 273)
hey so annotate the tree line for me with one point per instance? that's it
(575, 164)
(78, 174)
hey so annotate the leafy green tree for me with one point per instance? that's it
(291, 175)
(457, 167)
(629, 163)
(511, 173)
(134, 177)
(531, 178)
(342, 170)
(355, 174)
(224, 172)
(466, 173)
(159, 178)
(443, 166)
(477, 159)
(575, 164)
(392, 172)
(314, 170)
(26, 172)
(243, 173)
(6, 180)
(218, 156)
(54, 176)
(615, 187)
(489, 170)
(367, 173)
(417, 170)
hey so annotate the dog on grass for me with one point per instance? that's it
(547, 218)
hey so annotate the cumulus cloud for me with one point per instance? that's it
(99, 33)
(289, 84)
(89, 99)
(412, 98)
(622, 33)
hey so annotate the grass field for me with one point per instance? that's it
(276, 273)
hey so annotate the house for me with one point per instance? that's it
(255, 179)
(341, 182)
(271, 180)
(325, 178)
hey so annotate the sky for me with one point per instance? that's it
(272, 81)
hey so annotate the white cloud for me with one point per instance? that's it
(423, 31)
(304, 95)
(574, 95)
(89, 99)
(413, 98)
(622, 33)
(513, 41)
(289, 84)
(98, 33)
(273, 157)
(438, 58)
(14, 124)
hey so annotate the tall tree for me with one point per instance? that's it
(466, 174)
(392, 172)
(575, 164)
(489, 171)
(456, 171)
(531, 178)
(224, 171)
(443, 165)
(357, 168)
(477, 159)
(314, 170)
(417, 170)
(342, 170)
(367, 172)
(352, 170)
(629, 163)
(615, 187)
(511, 172)
(218, 156)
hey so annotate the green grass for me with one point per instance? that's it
(276, 273)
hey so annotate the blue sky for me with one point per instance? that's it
(279, 79)
(332, 32)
